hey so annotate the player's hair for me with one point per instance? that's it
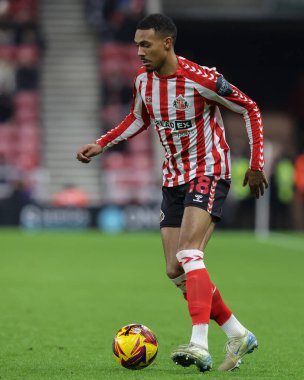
(162, 25)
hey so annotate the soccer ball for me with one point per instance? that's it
(135, 346)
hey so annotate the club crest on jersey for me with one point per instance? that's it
(148, 99)
(180, 103)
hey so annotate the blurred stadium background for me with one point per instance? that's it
(66, 73)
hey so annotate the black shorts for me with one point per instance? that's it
(204, 192)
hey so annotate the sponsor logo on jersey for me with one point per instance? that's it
(184, 133)
(182, 125)
(223, 87)
(176, 125)
(180, 103)
(164, 124)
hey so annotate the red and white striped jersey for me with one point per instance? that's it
(183, 108)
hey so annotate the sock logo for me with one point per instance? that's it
(191, 259)
(187, 259)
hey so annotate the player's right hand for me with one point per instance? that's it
(87, 151)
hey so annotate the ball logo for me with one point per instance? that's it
(180, 103)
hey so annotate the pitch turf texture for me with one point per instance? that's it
(64, 295)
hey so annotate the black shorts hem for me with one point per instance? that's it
(170, 225)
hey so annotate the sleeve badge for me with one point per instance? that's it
(223, 87)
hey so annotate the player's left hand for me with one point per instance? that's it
(257, 182)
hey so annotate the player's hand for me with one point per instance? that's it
(257, 182)
(87, 151)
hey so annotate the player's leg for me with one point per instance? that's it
(170, 238)
(172, 210)
(220, 313)
(208, 235)
(203, 203)
(238, 336)
(240, 340)
(195, 225)
(172, 213)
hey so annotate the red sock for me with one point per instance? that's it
(198, 285)
(220, 312)
(199, 296)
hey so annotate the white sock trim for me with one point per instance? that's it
(200, 335)
(191, 259)
(233, 328)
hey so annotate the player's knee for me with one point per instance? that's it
(173, 271)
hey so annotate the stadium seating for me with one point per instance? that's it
(130, 173)
(20, 135)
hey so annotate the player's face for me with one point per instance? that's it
(152, 48)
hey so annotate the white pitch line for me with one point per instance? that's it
(283, 241)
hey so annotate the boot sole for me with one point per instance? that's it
(186, 359)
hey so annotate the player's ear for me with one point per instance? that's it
(168, 43)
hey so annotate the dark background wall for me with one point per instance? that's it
(263, 58)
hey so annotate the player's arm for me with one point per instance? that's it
(137, 121)
(86, 152)
(219, 91)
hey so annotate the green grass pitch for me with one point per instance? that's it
(64, 295)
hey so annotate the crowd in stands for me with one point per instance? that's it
(20, 129)
(128, 167)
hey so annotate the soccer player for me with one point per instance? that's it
(181, 100)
